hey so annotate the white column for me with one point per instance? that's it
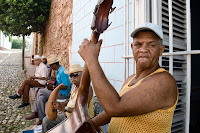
(127, 36)
(133, 27)
(188, 89)
(125, 41)
(170, 37)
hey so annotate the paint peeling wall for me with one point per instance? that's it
(58, 34)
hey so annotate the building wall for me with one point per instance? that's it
(0, 38)
(5, 43)
(58, 34)
(35, 43)
(112, 49)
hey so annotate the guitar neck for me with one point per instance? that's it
(95, 37)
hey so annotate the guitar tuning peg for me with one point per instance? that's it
(96, 10)
(112, 9)
(109, 25)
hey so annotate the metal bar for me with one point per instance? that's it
(188, 89)
(182, 53)
(148, 15)
(170, 37)
(159, 21)
(133, 28)
(159, 10)
(145, 11)
(127, 37)
(154, 12)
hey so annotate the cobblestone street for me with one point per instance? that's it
(11, 117)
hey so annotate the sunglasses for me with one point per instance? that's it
(73, 75)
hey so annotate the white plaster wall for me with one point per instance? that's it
(112, 49)
(5, 41)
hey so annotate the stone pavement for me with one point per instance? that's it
(11, 117)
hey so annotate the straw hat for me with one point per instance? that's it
(74, 68)
(37, 57)
(51, 59)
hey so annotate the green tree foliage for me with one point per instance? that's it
(21, 17)
(17, 43)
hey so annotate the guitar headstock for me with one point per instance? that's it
(100, 18)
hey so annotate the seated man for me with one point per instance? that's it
(75, 77)
(43, 94)
(38, 80)
(44, 59)
(147, 100)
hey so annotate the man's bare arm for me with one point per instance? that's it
(101, 119)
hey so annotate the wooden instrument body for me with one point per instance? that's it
(51, 112)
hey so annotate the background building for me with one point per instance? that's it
(5, 42)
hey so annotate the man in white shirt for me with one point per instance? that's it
(38, 80)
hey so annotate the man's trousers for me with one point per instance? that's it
(41, 99)
(25, 87)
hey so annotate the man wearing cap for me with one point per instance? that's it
(147, 100)
(43, 95)
(75, 73)
(44, 59)
(38, 80)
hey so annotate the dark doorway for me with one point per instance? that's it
(195, 88)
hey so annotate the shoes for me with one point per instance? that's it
(32, 116)
(14, 96)
(23, 105)
(38, 123)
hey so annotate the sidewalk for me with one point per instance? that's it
(30, 71)
(12, 118)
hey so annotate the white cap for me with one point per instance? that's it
(36, 57)
(155, 28)
(44, 57)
